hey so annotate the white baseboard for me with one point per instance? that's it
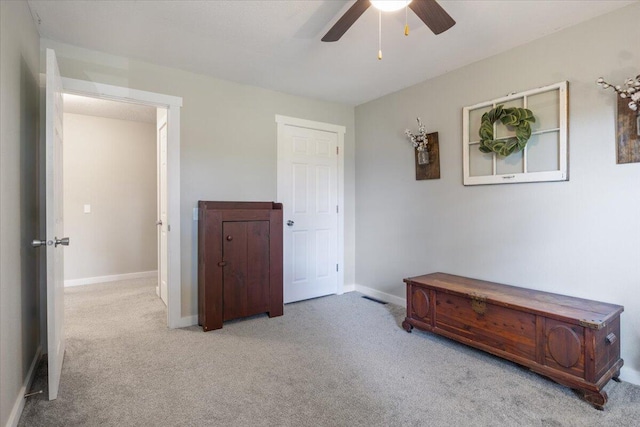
(382, 296)
(112, 278)
(630, 375)
(348, 288)
(186, 321)
(18, 407)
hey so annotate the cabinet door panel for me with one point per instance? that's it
(234, 254)
(257, 267)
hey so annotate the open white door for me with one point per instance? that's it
(55, 264)
(162, 205)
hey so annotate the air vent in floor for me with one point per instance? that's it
(373, 299)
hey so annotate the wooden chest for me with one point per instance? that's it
(573, 341)
(239, 261)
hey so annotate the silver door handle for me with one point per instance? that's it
(158, 222)
(64, 241)
(37, 243)
(290, 223)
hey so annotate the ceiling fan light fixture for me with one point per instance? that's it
(429, 12)
(390, 5)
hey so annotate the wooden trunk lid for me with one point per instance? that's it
(587, 313)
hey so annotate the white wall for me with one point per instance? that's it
(228, 140)
(109, 164)
(19, 116)
(577, 238)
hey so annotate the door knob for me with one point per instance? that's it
(64, 241)
(37, 243)
(290, 223)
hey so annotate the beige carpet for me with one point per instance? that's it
(334, 361)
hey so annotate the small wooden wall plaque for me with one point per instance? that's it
(432, 170)
(628, 141)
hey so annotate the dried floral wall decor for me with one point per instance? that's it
(628, 119)
(427, 152)
(420, 142)
(630, 93)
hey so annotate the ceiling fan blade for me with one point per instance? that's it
(432, 14)
(346, 21)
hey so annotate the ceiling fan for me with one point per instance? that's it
(429, 11)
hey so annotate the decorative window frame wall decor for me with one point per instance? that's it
(538, 161)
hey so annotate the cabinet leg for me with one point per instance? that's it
(275, 313)
(597, 399)
(407, 326)
(616, 377)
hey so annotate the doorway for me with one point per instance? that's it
(171, 199)
(110, 186)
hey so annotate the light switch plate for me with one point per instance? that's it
(87, 208)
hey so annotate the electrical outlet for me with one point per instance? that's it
(87, 209)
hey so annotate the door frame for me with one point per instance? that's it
(173, 105)
(282, 122)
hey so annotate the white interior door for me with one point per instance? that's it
(308, 189)
(54, 240)
(162, 204)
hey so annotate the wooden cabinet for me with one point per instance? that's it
(239, 261)
(573, 341)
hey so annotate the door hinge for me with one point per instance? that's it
(337, 267)
(338, 150)
(337, 211)
(169, 227)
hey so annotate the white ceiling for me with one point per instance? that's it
(88, 106)
(276, 44)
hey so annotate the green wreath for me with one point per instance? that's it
(518, 118)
